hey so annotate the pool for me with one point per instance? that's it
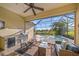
(54, 38)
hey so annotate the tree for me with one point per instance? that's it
(58, 27)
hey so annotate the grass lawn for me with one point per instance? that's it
(71, 33)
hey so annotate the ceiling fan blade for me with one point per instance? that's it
(32, 4)
(29, 4)
(34, 11)
(27, 9)
(42, 9)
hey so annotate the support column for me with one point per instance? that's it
(67, 27)
(76, 40)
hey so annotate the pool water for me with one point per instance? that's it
(54, 38)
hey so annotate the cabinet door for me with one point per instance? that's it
(2, 43)
(41, 51)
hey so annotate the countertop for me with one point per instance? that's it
(6, 32)
(32, 50)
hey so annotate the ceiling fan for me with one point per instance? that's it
(33, 7)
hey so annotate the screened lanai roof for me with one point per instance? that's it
(46, 23)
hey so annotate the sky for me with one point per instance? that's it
(46, 23)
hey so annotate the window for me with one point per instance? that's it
(46, 25)
(2, 24)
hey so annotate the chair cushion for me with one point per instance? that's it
(72, 48)
(58, 47)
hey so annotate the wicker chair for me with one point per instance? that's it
(63, 52)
